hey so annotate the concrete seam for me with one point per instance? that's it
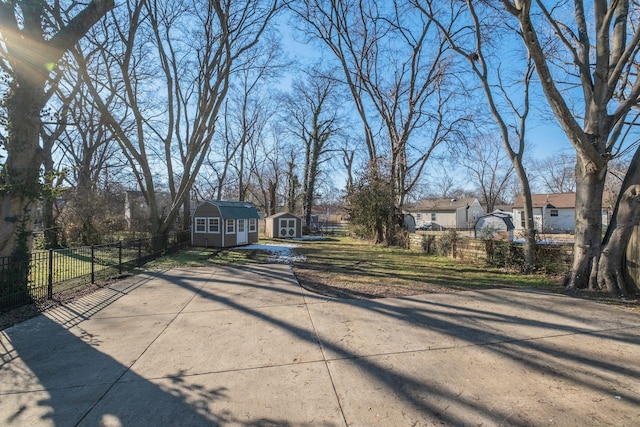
(98, 400)
(325, 361)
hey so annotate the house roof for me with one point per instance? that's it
(554, 201)
(441, 205)
(235, 210)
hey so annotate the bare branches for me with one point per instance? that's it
(395, 67)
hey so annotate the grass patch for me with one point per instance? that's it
(351, 268)
(202, 257)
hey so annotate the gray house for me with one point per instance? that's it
(446, 213)
(221, 224)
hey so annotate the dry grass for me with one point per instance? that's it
(350, 268)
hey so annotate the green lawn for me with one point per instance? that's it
(350, 268)
(356, 266)
(202, 257)
(379, 271)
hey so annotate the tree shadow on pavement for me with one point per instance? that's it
(53, 371)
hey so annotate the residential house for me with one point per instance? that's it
(446, 213)
(552, 213)
(136, 209)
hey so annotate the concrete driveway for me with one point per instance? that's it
(247, 346)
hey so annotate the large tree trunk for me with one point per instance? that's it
(588, 229)
(24, 157)
(31, 57)
(626, 216)
(612, 260)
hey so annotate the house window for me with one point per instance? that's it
(201, 225)
(231, 226)
(252, 225)
(522, 224)
(214, 225)
(433, 216)
(418, 216)
(553, 212)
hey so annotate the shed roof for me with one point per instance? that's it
(555, 201)
(235, 210)
(280, 214)
(500, 217)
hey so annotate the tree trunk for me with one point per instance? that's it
(186, 211)
(24, 157)
(612, 260)
(588, 229)
(272, 198)
(30, 58)
(529, 228)
(626, 216)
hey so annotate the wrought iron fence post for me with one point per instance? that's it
(93, 276)
(120, 257)
(50, 276)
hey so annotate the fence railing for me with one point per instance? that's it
(56, 271)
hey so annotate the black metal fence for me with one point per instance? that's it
(52, 272)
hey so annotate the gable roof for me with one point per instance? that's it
(506, 218)
(281, 214)
(235, 210)
(441, 205)
(553, 201)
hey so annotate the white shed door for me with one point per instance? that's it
(287, 227)
(242, 236)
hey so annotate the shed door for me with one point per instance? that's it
(242, 235)
(287, 227)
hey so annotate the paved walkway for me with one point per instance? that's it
(247, 346)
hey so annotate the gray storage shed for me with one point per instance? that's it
(494, 226)
(222, 224)
(283, 225)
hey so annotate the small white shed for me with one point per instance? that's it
(494, 226)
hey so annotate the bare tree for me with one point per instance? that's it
(199, 45)
(313, 110)
(586, 59)
(395, 66)
(31, 51)
(556, 173)
(469, 36)
(490, 169)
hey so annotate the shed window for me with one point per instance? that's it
(201, 225)
(252, 225)
(231, 226)
(214, 225)
(553, 212)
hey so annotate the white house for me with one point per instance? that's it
(446, 213)
(552, 213)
